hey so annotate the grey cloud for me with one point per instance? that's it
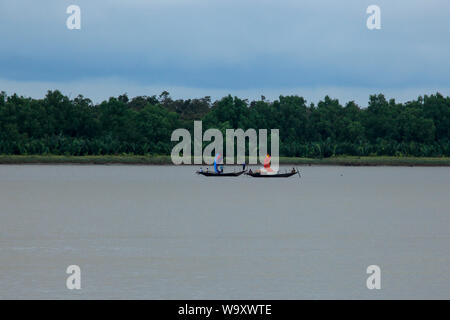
(236, 45)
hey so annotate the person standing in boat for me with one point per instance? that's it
(266, 169)
(217, 159)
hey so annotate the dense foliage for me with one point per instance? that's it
(143, 125)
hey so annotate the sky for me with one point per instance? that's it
(247, 48)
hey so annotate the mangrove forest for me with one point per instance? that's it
(142, 125)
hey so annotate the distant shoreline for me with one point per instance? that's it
(166, 160)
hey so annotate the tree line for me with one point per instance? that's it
(143, 125)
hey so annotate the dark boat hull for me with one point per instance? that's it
(213, 174)
(278, 175)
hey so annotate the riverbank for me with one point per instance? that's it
(166, 160)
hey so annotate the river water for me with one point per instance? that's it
(162, 232)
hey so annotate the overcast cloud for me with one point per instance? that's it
(214, 47)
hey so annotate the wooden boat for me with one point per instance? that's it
(277, 175)
(213, 174)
